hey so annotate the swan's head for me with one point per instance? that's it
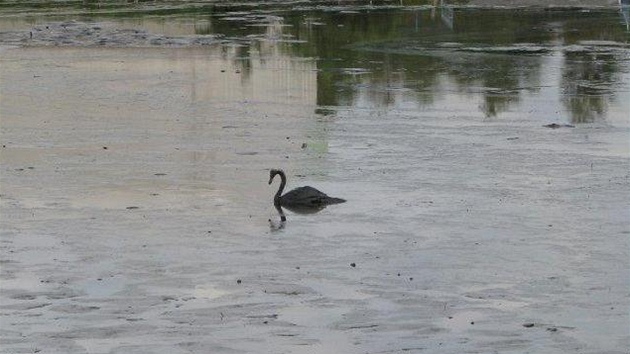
(273, 172)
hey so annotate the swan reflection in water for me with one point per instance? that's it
(302, 200)
(278, 225)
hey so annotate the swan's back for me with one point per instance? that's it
(308, 196)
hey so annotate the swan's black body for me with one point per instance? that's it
(303, 199)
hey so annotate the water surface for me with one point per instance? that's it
(136, 148)
(566, 66)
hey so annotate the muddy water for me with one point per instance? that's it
(135, 205)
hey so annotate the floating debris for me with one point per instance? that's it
(556, 126)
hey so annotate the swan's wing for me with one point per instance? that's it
(307, 197)
(303, 196)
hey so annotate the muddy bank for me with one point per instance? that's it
(104, 34)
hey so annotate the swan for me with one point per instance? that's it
(303, 199)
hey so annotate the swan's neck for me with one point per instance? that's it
(283, 182)
(283, 218)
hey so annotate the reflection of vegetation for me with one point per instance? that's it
(386, 43)
(400, 54)
(401, 50)
(501, 78)
(586, 84)
(337, 42)
(578, 27)
(589, 74)
(585, 109)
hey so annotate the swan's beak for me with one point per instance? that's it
(270, 179)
